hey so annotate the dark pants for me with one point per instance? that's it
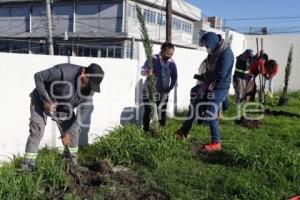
(193, 113)
(38, 120)
(220, 96)
(207, 108)
(161, 104)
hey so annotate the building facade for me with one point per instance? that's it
(91, 28)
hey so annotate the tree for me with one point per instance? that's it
(283, 99)
(147, 43)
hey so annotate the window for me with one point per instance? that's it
(39, 48)
(62, 50)
(118, 52)
(20, 47)
(4, 47)
(161, 19)
(186, 27)
(111, 51)
(128, 51)
(103, 52)
(189, 28)
(114, 51)
(150, 16)
(131, 11)
(84, 51)
(176, 24)
(94, 52)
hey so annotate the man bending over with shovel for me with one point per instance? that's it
(59, 90)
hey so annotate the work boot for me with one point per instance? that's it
(73, 162)
(212, 147)
(179, 135)
(82, 169)
(27, 166)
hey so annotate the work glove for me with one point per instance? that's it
(66, 139)
(200, 77)
(49, 107)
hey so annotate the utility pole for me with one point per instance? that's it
(169, 21)
(49, 22)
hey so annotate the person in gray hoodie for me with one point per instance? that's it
(59, 90)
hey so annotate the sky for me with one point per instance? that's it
(285, 12)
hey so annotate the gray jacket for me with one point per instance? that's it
(60, 84)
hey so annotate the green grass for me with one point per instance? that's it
(256, 164)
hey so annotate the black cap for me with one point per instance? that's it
(96, 75)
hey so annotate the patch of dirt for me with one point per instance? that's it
(250, 124)
(281, 113)
(217, 158)
(154, 132)
(121, 184)
(196, 146)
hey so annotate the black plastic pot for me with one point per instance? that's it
(283, 101)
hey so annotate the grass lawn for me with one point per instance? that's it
(261, 163)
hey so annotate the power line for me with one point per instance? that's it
(263, 18)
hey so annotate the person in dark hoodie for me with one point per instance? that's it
(242, 75)
(213, 89)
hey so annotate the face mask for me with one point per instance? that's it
(166, 58)
(86, 90)
(208, 50)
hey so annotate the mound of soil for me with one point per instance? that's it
(251, 124)
(120, 183)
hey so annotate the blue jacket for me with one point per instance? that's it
(224, 65)
(157, 71)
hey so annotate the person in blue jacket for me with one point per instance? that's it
(165, 73)
(213, 88)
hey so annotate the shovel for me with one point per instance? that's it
(71, 166)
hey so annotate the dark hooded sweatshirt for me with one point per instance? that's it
(222, 74)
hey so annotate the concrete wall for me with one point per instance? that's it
(16, 82)
(118, 91)
(238, 46)
(277, 47)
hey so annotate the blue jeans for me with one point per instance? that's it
(212, 109)
(219, 99)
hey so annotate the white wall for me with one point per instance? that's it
(16, 82)
(238, 46)
(117, 91)
(277, 47)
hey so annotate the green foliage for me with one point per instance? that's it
(259, 163)
(49, 176)
(288, 72)
(148, 51)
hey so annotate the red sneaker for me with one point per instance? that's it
(212, 147)
(296, 197)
